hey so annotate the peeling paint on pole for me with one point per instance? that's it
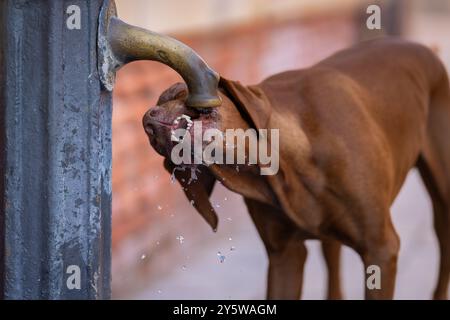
(56, 153)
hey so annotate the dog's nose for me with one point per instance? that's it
(148, 126)
(153, 112)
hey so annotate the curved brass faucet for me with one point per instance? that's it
(120, 43)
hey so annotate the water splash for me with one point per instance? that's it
(180, 239)
(194, 170)
(221, 257)
(172, 175)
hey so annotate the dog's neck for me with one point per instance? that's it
(246, 181)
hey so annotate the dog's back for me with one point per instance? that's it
(387, 87)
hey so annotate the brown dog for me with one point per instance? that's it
(351, 127)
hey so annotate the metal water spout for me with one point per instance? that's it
(120, 43)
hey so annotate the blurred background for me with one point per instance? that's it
(162, 248)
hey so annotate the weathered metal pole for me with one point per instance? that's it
(55, 153)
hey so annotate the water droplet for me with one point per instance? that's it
(237, 168)
(230, 238)
(194, 171)
(180, 239)
(143, 256)
(183, 267)
(229, 219)
(221, 257)
(173, 176)
(157, 243)
(159, 208)
(192, 202)
(232, 248)
(225, 199)
(159, 291)
(217, 205)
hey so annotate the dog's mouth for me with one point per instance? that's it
(189, 121)
(181, 122)
(164, 130)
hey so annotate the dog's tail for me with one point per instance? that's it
(434, 167)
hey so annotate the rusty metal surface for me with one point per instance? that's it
(120, 43)
(56, 121)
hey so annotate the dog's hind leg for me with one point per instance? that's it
(331, 250)
(434, 167)
(441, 225)
(380, 249)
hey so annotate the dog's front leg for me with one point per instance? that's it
(331, 250)
(285, 249)
(285, 276)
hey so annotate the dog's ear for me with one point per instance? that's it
(178, 91)
(250, 101)
(197, 190)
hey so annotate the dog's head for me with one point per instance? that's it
(242, 108)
